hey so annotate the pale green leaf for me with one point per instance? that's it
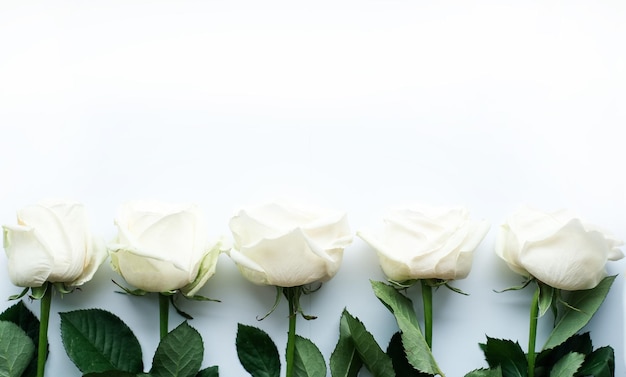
(375, 360)
(16, 350)
(308, 360)
(582, 306)
(568, 365)
(546, 295)
(26, 320)
(418, 352)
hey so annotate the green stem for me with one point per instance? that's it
(164, 312)
(42, 350)
(532, 335)
(292, 297)
(427, 300)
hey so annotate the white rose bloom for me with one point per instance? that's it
(556, 248)
(423, 242)
(52, 243)
(163, 247)
(286, 246)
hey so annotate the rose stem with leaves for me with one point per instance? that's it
(45, 303)
(164, 308)
(427, 300)
(532, 335)
(292, 294)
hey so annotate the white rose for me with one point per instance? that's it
(162, 247)
(52, 243)
(425, 242)
(287, 246)
(556, 248)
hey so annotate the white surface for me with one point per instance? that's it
(354, 105)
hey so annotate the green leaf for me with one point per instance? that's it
(600, 363)
(586, 303)
(16, 350)
(179, 353)
(19, 295)
(401, 365)
(546, 295)
(493, 372)
(345, 360)
(209, 372)
(128, 291)
(257, 352)
(375, 360)
(506, 354)
(580, 343)
(36, 293)
(568, 365)
(418, 352)
(308, 360)
(98, 341)
(26, 320)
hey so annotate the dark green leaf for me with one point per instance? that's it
(375, 360)
(257, 352)
(506, 354)
(401, 365)
(568, 365)
(600, 363)
(16, 350)
(495, 372)
(179, 353)
(586, 303)
(308, 360)
(98, 341)
(418, 352)
(209, 372)
(26, 320)
(580, 343)
(345, 360)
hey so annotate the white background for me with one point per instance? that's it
(353, 105)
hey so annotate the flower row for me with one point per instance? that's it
(164, 247)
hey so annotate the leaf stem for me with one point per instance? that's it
(293, 295)
(532, 335)
(427, 300)
(164, 311)
(42, 350)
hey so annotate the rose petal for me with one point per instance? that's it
(206, 269)
(96, 254)
(61, 228)
(289, 261)
(564, 260)
(148, 274)
(29, 261)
